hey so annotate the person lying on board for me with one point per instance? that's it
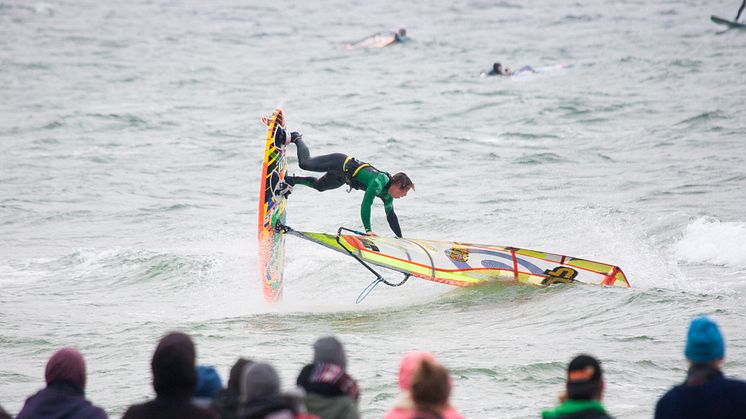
(341, 169)
(499, 70)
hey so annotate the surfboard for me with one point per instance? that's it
(728, 23)
(377, 40)
(272, 210)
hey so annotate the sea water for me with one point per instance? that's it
(131, 146)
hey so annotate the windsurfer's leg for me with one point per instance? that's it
(329, 181)
(325, 163)
(738, 16)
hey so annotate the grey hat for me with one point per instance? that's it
(259, 380)
(328, 349)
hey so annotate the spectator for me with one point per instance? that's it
(404, 406)
(431, 388)
(208, 386)
(64, 395)
(705, 393)
(226, 403)
(174, 381)
(584, 391)
(260, 395)
(330, 392)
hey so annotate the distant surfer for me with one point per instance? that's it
(381, 39)
(401, 34)
(499, 70)
(341, 169)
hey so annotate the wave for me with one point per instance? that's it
(710, 241)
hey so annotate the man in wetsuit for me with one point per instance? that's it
(341, 169)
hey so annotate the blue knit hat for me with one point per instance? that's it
(208, 382)
(704, 343)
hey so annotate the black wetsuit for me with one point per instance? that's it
(342, 169)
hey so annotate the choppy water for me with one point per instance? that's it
(130, 145)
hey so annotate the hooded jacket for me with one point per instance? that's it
(174, 381)
(260, 394)
(64, 395)
(330, 392)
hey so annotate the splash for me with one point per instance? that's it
(708, 240)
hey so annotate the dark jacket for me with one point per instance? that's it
(258, 409)
(226, 404)
(174, 380)
(330, 392)
(167, 408)
(577, 409)
(60, 399)
(706, 393)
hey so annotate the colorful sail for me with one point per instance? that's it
(467, 264)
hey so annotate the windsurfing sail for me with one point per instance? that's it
(467, 264)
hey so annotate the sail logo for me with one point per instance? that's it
(458, 254)
(559, 275)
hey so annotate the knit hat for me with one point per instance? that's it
(704, 343)
(258, 381)
(583, 377)
(329, 349)
(173, 366)
(409, 363)
(208, 382)
(66, 364)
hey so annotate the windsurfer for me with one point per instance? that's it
(342, 169)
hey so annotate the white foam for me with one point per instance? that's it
(708, 240)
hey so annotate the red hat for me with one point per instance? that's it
(66, 364)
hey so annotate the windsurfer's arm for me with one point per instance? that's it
(370, 194)
(394, 223)
(388, 206)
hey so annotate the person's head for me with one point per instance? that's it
(208, 382)
(409, 364)
(173, 366)
(584, 379)
(66, 364)
(704, 343)
(234, 379)
(329, 350)
(258, 381)
(400, 185)
(498, 68)
(431, 386)
(402, 32)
